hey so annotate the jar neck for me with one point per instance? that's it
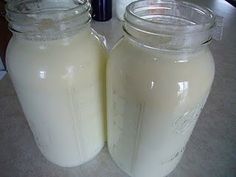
(82, 34)
(47, 20)
(168, 25)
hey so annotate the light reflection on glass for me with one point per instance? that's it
(183, 90)
(152, 84)
(181, 61)
(155, 59)
(42, 74)
(70, 71)
(182, 87)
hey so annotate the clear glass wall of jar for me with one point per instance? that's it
(121, 6)
(158, 79)
(57, 66)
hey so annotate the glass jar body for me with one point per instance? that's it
(61, 87)
(154, 99)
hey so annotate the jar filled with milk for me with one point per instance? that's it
(57, 65)
(158, 80)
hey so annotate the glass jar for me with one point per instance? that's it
(57, 66)
(121, 6)
(158, 79)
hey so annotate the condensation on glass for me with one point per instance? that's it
(57, 65)
(158, 80)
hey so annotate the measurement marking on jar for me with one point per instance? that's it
(183, 123)
(141, 108)
(178, 154)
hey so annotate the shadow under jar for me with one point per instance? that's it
(158, 79)
(57, 66)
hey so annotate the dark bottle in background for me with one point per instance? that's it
(101, 10)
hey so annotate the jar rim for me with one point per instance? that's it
(47, 19)
(12, 7)
(208, 24)
(169, 24)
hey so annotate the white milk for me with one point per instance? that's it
(154, 101)
(61, 87)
